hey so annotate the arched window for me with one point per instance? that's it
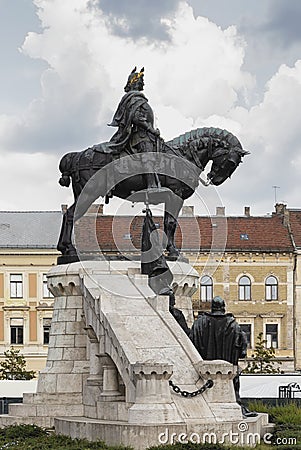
(271, 288)
(244, 288)
(206, 289)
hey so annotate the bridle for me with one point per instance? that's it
(216, 168)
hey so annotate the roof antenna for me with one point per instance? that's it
(275, 192)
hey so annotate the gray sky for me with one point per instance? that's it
(234, 65)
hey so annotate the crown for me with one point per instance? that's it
(135, 76)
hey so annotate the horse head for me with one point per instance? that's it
(224, 163)
(202, 145)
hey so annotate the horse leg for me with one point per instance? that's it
(92, 189)
(172, 209)
(61, 246)
(65, 240)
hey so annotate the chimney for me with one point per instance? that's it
(188, 211)
(247, 211)
(64, 208)
(220, 211)
(281, 210)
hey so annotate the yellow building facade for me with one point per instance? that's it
(25, 302)
(253, 304)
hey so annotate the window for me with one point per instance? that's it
(271, 333)
(244, 288)
(247, 329)
(206, 289)
(271, 288)
(46, 292)
(16, 331)
(16, 286)
(46, 331)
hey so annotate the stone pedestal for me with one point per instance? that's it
(113, 348)
(153, 397)
(221, 398)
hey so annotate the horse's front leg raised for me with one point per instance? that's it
(172, 209)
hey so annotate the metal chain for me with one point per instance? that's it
(178, 390)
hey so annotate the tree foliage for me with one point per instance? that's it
(14, 366)
(263, 358)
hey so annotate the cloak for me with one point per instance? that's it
(218, 336)
(123, 118)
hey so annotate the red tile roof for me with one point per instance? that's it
(258, 233)
(295, 223)
(193, 233)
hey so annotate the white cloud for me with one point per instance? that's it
(196, 74)
(30, 182)
(194, 79)
(276, 119)
(271, 131)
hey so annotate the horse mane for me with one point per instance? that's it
(204, 136)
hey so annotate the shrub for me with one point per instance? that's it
(285, 414)
(190, 446)
(287, 419)
(31, 437)
(263, 358)
(14, 366)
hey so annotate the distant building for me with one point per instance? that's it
(252, 262)
(255, 275)
(27, 251)
(293, 219)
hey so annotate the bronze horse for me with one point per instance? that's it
(183, 159)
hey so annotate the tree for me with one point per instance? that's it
(14, 366)
(263, 358)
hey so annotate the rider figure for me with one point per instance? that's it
(135, 121)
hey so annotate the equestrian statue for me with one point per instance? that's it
(138, 165)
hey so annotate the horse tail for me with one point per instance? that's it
(65, 168)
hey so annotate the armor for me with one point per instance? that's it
(135, 121)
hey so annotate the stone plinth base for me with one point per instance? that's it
(140, 436)
(114, 347)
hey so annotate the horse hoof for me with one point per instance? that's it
(173, 252)
(71, 251)
(67, 259)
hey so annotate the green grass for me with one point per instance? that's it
(287, 420)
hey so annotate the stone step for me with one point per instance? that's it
(21, 410)
(45, 410)
(44, 422)
(112, 410)
(52, 399)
